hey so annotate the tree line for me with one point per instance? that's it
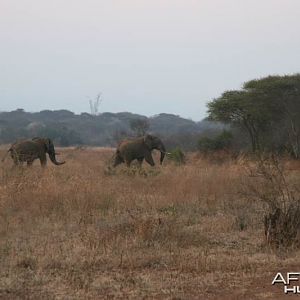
(105, 129)
(262, 116)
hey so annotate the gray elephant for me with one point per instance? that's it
(30, 150)
(139, 149)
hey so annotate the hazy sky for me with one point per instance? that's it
(145, 56)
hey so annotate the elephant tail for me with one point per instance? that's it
(4, 157)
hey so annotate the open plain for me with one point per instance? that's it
(85, 231)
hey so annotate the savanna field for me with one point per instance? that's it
(85, 231)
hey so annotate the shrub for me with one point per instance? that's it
(281, 199)
(281, 227)
(177, 156)
(220, 142)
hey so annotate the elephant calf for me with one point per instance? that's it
(139, 149)
(29, 150)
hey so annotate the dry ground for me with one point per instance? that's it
(80, 231)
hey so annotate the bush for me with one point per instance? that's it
(281, 199)
(220, 142)
(177, 156)
(281, 228)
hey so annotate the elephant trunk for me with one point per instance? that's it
(162, 150)
(53, 159)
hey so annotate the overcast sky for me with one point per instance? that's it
(145, 56)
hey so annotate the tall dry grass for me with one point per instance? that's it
(82, 231)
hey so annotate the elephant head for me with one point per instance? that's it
(153, 142)
(49, 148)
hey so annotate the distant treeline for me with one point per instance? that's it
(263, 116)
(106, 129)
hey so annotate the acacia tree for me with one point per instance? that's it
(263, 108)
(238, 109)
(282, 94)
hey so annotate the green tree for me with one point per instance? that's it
(241, 109)
(220, 142)
(282, 95)
(263, 108)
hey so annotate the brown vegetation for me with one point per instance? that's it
(82, 231)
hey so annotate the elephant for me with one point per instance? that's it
(140, 149)
(29, 150)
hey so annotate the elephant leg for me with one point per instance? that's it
(128, 162)
(29, 163)
(140, 161)
(149, 159)
(43, 160)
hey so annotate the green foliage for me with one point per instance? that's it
(220, 142)
(177, 156)
(268, 109)
(206, 144)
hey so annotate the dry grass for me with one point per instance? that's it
(81, 231)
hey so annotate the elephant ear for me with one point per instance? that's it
(148, 140)
(47, 143)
